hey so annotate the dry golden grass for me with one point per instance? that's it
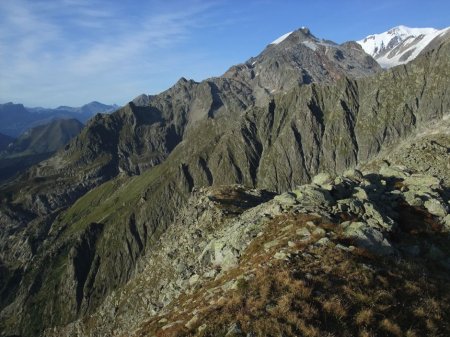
(364, 317)
(391, 327)
(326, 292)
(365, 333)
(334, 307)
(411, 333)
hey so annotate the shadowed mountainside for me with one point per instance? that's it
(37, 144)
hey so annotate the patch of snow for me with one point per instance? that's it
(310, 45)
(253, 63)
(281, 38)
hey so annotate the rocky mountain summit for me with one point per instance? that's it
(125, 229)
(301, 58)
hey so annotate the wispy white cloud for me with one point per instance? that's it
(55, 48)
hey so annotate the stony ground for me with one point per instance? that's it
(358, 254)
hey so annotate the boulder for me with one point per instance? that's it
(323, 242)
(435, 207)
(372, 213)
(394, 172)
(286, 199)
(280, 256)
(324, 180)
(412, 199)
(311, 195)
(360, 193)
(354, 174)
(303, 231)
(350, 205)
(226, 257)
(319, 232)
(234, 330)
(446, 223)
(368, 237)
(423, 180)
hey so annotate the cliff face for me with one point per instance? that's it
(76, 227)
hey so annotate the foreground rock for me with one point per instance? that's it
(226, 235)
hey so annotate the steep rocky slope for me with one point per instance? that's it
(426, 151)
(137, 137)
(62, 259)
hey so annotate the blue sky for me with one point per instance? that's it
(71, 52)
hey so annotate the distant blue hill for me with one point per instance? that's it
(35, 145)
(16, 118)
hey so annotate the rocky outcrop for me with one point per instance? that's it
(213, 234)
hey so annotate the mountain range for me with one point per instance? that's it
(16, 119)
(300, 193)
(401, 44)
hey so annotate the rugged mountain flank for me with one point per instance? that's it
(138, 136)
(78, 226)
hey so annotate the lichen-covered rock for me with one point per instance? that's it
(436, 207)
(360, 194)
(286, 199)
(323, 180)
(394, 172)
(353, 174)
(312, 195)
(368, 237)
(446, 223)
(422, 180)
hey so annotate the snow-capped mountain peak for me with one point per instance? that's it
(399, 45)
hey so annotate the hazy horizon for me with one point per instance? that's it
(72, 52)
